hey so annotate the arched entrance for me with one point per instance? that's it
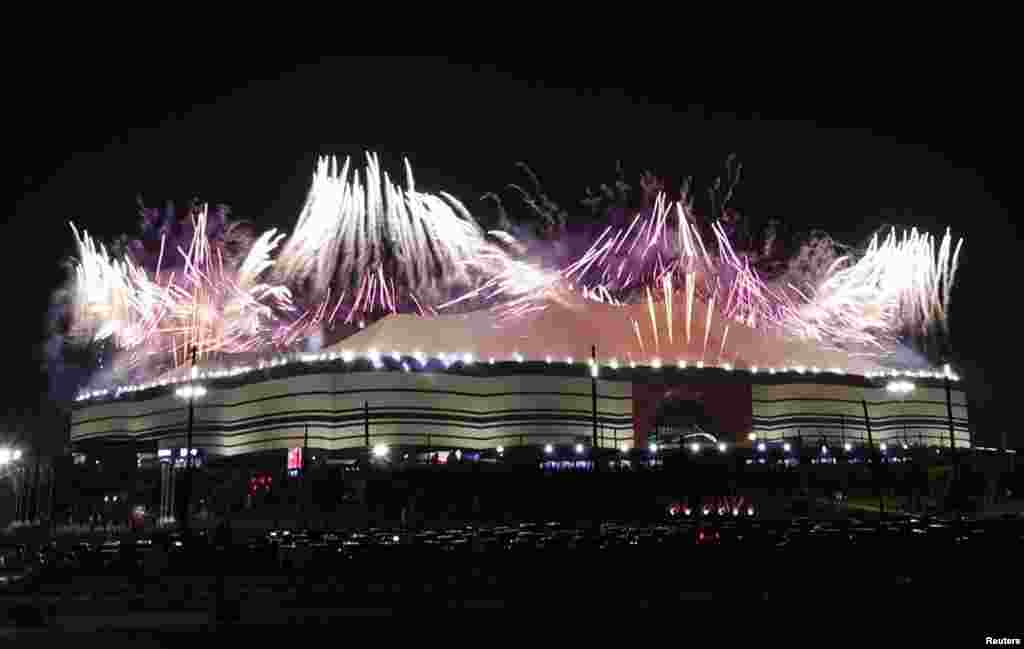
(679, 420)
(727, 408)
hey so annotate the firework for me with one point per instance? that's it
(205, 305)
(383, 245)
(364, 248)
(862, 306)
(898, 286)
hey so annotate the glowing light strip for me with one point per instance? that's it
(465, 358)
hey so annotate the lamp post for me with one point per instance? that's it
(867, 425)
(874, 465)
(952, 435)
(593, 402)
(190, 392)
(949, 415)
(842, 433)
(305, 484)
(593, 392)
(188, 450)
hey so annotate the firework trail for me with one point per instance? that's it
(358, 249)
(897, 286)
(667, 290)
(105, 295)
(364, 247)
(860, 306)
(384, 246)
(205, 304)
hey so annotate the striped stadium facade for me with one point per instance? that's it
(836, 413)
(397, 408)
(481, 406)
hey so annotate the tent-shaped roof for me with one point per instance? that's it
(569, 327)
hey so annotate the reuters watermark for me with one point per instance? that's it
(1001, 642)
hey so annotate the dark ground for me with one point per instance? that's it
(849, 564)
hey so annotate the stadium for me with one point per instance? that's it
(337, 406)
(484, 399)
(644, 342)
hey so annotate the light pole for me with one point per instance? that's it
(842, 434)
(954, 457)
(190, 392)
(875, 459)
(306, 496)
(593, 393)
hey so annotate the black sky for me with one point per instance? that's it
(845, 151)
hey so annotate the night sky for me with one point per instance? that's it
(845, 152)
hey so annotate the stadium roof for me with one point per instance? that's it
(569, 326)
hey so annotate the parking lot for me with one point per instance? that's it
(292, 573)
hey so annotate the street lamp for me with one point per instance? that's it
(191, 392)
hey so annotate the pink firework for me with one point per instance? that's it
(364, 248)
